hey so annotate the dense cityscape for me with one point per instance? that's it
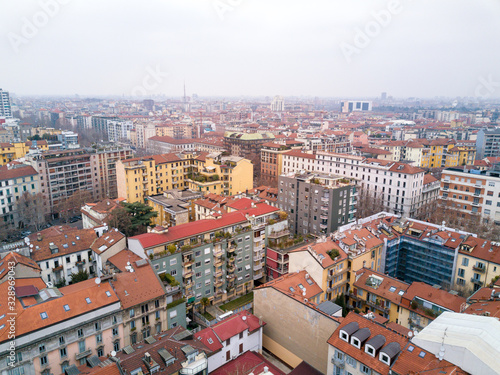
(213, 188)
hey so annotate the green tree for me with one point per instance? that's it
(120, 219)
(204, 303)
(140, 216)
(79, 276)
(340, 300)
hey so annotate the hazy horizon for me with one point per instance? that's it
(232, 48)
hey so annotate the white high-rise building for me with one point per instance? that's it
(278, 104)
(5, 106)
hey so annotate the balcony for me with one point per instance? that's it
(187, 274)
(279, 234)
(257, 267)
(219, 283)
(476, 281)
(377, 306)
(479, 269)
(257, 238)
(338, 362)
(187, 262)
(323, 217)
(231, 250)
(257, 276)
(323, 226)
(218, 263)
(324, 208)
(84, 354)
(323, 199)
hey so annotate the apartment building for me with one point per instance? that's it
(398, 186)
(95, 214)
(62, 173)
(144, 131)
(5, 104)
(176, 131)
(422, 303)
(58, 328)
(288, 305)
(138, 178)
(143, 314)
(472, 192)
(174, 207)
(103, 164)
(171, 353)
(373, 291)
(361, 346)
(316, 203)
(478, 263)
(325, 262)
(247, 145)
(271, 162)
(210, 258)
(232, 337)
(228, 175)
(488, 143)
(16, 150)
(65, 251)
(355, 106)
(16, 179)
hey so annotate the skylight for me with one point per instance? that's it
(292, 290)
(392, 289)
(66, 307)
(410, 348)
(65, 245)
(44, 315)
(210, 341)
(2, 326)
(108, 293)
(421, 354)
(77, 237)
(301, 286)
(88, 300)
(401, 292)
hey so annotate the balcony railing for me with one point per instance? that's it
(279, 234)
(84, 354)
(479, 269)
(476, 281)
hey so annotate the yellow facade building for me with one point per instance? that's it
(326, 263)
(139, 178)
(379, 293)
(478, 263)
(16, 150)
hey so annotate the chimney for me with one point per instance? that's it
(38, 236)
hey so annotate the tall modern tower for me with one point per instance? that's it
(5, 107)
(278, 104)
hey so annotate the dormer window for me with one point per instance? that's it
(344, 336)
(385, 359)
(355, 342)
(370, 350)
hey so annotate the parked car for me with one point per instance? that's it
(74, 219)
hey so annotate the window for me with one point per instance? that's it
(88, 300)
(80, 333)
(228, 355)
(351, 361)
(465, 262)
(228, 341)
(173, 261)
(81, 346)
(173, 314)
(385, 358)
(115, 331)
(241, 335)
(66, 307)
(364, 369)
(44, 315)
(98, 338)
(132, 324)
(116, 346)
(131, 313)
(461, 272)
(43, 360)
(61, 340)
(63, 353)
(145, 308)
(97, 326)
(241, 348)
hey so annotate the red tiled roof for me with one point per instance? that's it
(9, 174)
(17, 259)
(189, 229)
(130, 286)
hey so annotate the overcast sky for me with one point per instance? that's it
(251, 47)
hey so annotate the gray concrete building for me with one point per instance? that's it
(488, 143)
(316, 203)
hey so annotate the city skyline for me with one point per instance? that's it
(237, 48)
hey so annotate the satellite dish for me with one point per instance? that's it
(113, 353)
(410, 334)
(244, 318)
(31, 245)
(415, 332)
(304, 293)
(98, 280)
